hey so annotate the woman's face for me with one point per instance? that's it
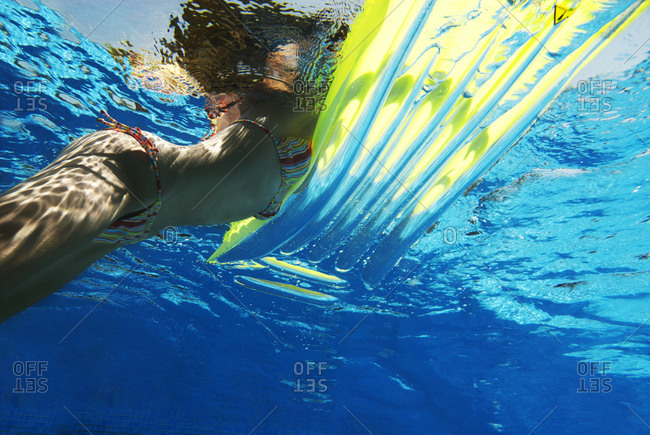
(278, 82)
(282, 67)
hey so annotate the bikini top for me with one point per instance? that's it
(136, 226)
(294, 155)
(295, 159)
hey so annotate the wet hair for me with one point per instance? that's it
(229, 51)
(225, 46)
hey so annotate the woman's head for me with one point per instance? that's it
(228, 46)
(230, 52)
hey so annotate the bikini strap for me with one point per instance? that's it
(136, 133)
(214, 113)
(257, 124)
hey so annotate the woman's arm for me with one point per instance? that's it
(48, 222)
(48, 279)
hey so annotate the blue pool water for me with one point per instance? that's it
(526, 309)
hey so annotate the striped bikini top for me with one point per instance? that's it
(295, 159)
(294, 155)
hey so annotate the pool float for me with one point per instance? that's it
(426, 96)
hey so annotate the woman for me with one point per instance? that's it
(116, 187)
(119, 185)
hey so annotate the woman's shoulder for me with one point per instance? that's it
(106, 141)
(101, 142)
(113, 147)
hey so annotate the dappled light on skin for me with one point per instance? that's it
(61, 214)
(75, 189)
(48, 222)
(54, 224)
